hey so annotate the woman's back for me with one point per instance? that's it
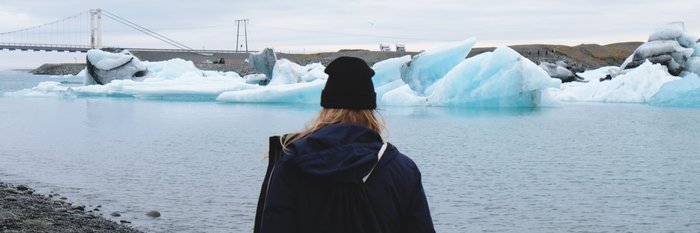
(304, 185)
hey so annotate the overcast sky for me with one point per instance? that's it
(322, 25)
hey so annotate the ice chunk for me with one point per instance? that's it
(288, 72)
(428, 67)
(559, 71)
(683, 92)
(693, 65)
(263, 61)
(103, 67)
(696, 52)
(403, 96)
(106, 60)
(306, 92)
(255, 78)
(387, 75)
(655, 48)
(175, 79)
(388, 70)
(636, 86)
(501, 78)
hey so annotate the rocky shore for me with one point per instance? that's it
(580, 58)
(23, 210)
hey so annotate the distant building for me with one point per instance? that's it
(384, 47)
(400, 48)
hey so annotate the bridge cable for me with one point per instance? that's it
(146, 31)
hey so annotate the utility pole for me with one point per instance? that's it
(245, 33)
(96, 28)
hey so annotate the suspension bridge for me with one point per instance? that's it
(83, 31)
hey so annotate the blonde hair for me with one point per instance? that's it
(329, 116)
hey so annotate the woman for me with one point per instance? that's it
(338, 175)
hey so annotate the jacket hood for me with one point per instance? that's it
(340, 152)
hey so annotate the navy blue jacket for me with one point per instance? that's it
(293, 194)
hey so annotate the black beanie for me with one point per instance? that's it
(349, 85)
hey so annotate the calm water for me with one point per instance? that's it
(576, 168)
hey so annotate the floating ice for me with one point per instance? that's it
(106, 60)
(306, 92)
(669, 45)
(103, 67)
(501, 78)
(429, 66)
(684, 92)
(175, 79)
(288, 72)
(387, 74)
(636, 86)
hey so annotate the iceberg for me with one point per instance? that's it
(104, 67)
(636, 86)
(174, 79)
(558, 70)
(502, 78)
(669, 45)
(683, 92)
(287, 72)
(387, 75)
(299, 93)
(264, 62)
(429, 66)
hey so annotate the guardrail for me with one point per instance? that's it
(84, 48)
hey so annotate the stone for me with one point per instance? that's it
(153, 214)
(10, 190)
(22, 187)
(7, 216)
(10, 198)
(79, 207)
(61, 209)
(124, 221)
(63, 198)
(115, 214)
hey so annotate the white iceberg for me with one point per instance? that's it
(174, 79)
(300, 93)
(636, 86)
(287, 72)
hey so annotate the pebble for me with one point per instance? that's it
(7, 216)
(124, 221)
(10, 198)
(63, 198)
(22, 187)
(61, 209)
(115, 214)
(153, 214)
(10, 190)
(79, 207)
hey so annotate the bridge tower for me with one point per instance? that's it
(96, 28)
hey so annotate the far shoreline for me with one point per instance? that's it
(580, 57)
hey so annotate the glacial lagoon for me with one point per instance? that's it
(578, 167)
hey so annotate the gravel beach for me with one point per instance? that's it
(22, 210)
